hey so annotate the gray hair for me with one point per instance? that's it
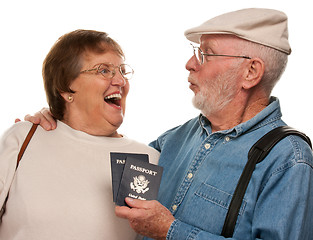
(275, 62)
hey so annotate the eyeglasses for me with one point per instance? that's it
(107, 70)
(199, 54)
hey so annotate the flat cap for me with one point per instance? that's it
(264, 26)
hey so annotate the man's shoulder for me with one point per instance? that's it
(290, 151)
(188, 126)
(177, 133)
(297, 148)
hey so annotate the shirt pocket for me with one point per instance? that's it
(207, 208)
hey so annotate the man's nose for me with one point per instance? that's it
(192, 64)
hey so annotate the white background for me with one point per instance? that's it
(151, 35)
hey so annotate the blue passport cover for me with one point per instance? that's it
(118, 161)
(140, 180)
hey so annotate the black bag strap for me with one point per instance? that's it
(256, 154)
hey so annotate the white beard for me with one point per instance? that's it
(218, 94)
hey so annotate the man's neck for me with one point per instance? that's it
(236, 113)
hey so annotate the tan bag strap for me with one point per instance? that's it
(25, 143)
(19, 157)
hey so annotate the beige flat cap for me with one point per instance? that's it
(264, 26)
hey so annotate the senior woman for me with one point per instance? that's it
(62, 187)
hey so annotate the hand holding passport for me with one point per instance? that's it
(133, 176)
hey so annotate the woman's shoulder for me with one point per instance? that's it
(10, 143)
(17, 130)
(144, 148)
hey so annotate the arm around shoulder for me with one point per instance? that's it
(44, 118)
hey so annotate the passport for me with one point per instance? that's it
(140, 180)
(117, 167)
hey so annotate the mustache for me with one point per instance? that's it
(190, 79)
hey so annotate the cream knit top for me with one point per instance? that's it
(62, 189)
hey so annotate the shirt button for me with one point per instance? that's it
(190, 175)
(227, 139)
(207, 145)
(174, 207)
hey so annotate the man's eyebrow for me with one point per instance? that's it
(206, 49)
(209, 45)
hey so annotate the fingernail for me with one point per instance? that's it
(47, 126)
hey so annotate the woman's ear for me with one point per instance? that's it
(254, 73)
(68, 97)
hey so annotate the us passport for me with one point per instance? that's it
(140, 180)
(118, 161)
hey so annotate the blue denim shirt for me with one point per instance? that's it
(201, 170)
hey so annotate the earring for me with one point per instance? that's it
(70, 98)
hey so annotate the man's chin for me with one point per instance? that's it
(200, 104)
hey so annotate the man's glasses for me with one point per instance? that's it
(108, 71)
(199, 54)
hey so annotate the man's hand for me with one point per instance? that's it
(148, 218)
(44, 118)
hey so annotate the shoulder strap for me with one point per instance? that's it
(19, 157)
(25, 143)
(256, 154)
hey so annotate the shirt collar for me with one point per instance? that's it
(271, 113)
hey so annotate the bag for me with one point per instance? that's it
(19, 157)
(256, 154)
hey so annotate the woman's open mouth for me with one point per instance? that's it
(114, 100)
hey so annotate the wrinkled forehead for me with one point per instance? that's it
(91, 58)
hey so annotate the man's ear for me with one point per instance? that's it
(254, 73)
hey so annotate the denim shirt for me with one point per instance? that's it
(201, 171)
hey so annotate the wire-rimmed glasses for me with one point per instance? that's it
(199, 54)
(107, 70)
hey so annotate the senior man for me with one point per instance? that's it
(241, 57)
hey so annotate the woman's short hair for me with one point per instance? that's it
(63, 63)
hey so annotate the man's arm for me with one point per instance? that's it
(283, 212)
(44, 118)
(153, 220)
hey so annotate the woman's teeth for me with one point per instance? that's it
(113, 99)
(116, 96)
